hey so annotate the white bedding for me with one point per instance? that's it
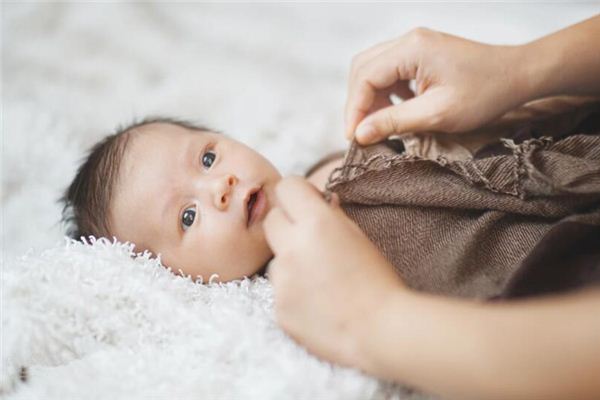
(86, 320)
(89, 321)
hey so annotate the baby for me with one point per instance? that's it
(445, 214)
(193, 195)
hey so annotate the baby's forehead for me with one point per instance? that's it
(148, 166)
(159, 130)
(155, 147)
(157, 138)
(158, 144)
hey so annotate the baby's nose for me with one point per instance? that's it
(224, 190)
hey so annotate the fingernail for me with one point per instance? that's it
(348, 134)
(365, 131)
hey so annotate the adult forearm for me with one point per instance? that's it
(430, 342)
(565, 62)
(547, 348)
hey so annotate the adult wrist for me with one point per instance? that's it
(530, 74)
(377, 355)
(544, 70)
(416, 337)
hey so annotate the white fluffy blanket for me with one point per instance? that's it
(88, 321)
(91, 321)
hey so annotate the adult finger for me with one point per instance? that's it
(334, 200)
(358, 62)
(365, 56)
(392, 65)
(383, 100)
(273, 272)
(383, 96)
(298, 198)
(414, 115)
(277, 227)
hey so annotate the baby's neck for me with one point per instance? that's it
(319, 174)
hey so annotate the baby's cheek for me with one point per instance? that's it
(253, 254)
(232, 251)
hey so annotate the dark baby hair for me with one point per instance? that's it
(86, 202)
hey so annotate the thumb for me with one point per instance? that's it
(412, 115)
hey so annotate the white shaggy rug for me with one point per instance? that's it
(87, 321)
(90, 322)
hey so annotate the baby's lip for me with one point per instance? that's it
(249, 194)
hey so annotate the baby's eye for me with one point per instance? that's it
(208, 159)
(188, 217)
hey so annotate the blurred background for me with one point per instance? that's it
(272, 75)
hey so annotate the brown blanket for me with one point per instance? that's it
(486, 217)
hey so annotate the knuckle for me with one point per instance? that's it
(363, 71)
(357, 62)
(419, 35)
(363, 86)
(391, 121)
(359, 74)
(360, 57)
(421, 31)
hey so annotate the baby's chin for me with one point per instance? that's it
(262, 267)
(262, 271)
(257, 269)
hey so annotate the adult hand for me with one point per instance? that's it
(460, 85)
(329, 279)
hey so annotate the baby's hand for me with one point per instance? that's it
(322, 260)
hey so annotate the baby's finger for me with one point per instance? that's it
(277, 228)
(298, 198)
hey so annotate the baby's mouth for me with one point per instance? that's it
(256, 206)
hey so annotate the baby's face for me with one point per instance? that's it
(198, 198)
